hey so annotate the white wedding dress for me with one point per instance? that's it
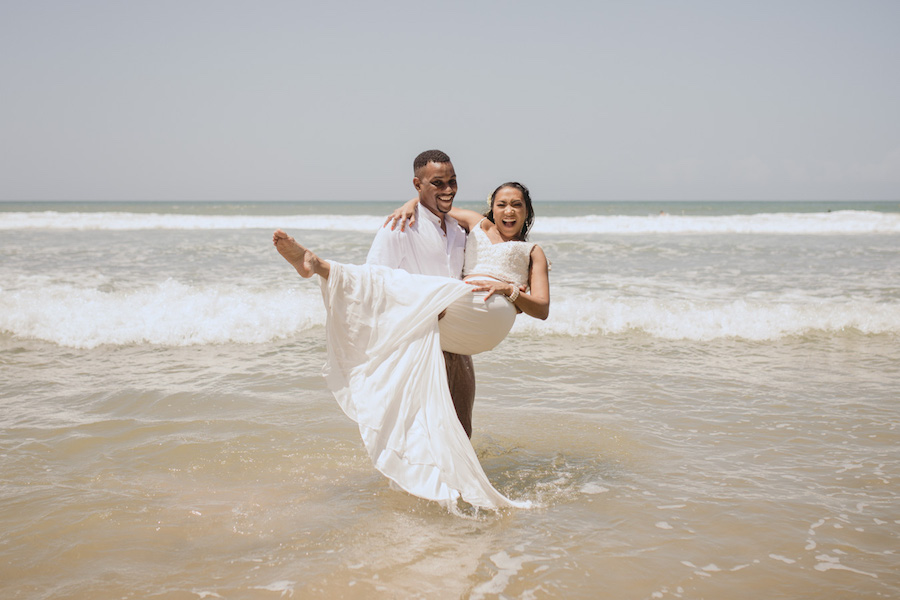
(385, 367)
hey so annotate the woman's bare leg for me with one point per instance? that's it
(305, 261)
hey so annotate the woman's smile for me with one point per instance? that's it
(509, 212)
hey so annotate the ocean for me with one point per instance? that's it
(711, 410)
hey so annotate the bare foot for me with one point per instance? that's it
(306, 263)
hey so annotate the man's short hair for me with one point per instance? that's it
(435, 156)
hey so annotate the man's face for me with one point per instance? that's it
(436, 183)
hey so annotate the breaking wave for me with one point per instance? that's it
(176, 314)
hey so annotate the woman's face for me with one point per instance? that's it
(509, 212)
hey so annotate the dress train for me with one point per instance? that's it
(386, 370)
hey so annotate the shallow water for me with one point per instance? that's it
(703, 416)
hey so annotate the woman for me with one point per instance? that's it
(385, 334)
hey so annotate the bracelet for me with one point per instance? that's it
(515, 294)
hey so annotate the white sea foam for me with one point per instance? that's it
(773, 318)
(177, 314)
(170, 313)
(124, 221)
(838, 222)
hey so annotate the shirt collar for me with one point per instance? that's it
(435, 220)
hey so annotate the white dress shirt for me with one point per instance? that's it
(423, 248)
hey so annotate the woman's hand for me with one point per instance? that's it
(406, 214)
(501, 288)
(533, 300)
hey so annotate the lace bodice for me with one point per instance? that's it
(507, 261)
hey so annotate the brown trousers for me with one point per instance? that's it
(461, 377)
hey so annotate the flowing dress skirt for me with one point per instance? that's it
(386, 369)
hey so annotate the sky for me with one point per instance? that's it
(588, 100)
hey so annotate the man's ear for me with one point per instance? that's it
(417, 184)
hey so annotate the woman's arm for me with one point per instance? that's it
(406, 215)
(467, 218)
(535, 304)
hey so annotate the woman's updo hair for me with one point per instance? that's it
(529, 210)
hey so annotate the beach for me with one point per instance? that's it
(711, 410)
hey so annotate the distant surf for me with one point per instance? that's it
(818, 223)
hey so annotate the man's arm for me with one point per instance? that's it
(389, 248)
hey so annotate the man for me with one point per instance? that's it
(434, 245)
